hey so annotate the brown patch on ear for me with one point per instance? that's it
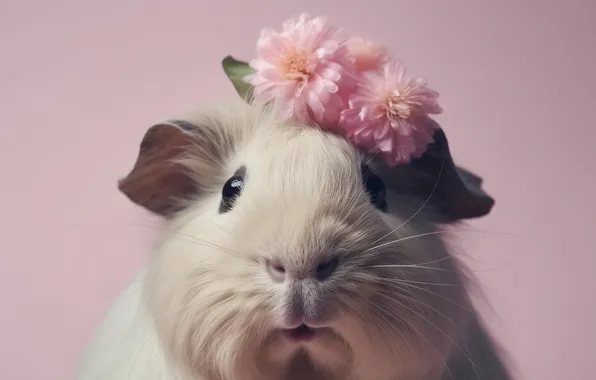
(157, 181)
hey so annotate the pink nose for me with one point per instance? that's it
(322, 271)
(276, 270)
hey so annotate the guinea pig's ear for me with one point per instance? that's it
(159, 181)
(453, 191)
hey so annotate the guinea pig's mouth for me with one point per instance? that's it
(302, 333)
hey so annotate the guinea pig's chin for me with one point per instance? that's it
(283, 353)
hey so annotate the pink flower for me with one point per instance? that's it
(367, 55)
(305, 70)
(388, 114)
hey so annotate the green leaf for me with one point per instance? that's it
(236, 70)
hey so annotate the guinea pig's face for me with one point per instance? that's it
(287, 254)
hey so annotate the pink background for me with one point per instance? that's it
(81, 81)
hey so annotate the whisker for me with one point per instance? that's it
(438, 295)
(393, 328)
(407, 266)
(427, 262)
(406, 238)
(488, 232)
(420, 208)
(440, 330)
(371, 158)
(363, 316)
(463, 338)
(205, 243)
(425, 283)
(420, 335)
(220, 227)
(205, 299)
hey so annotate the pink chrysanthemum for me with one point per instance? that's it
(388, 114)
(305, 70)
(367, 55)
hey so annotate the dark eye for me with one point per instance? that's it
(230, 191)
(375, 188)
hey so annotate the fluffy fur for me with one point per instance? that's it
(206, 308)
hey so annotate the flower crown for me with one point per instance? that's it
(312, 73)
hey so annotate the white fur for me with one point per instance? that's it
(206, 309)
(125, 345)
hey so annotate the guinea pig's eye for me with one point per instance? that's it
(230, 191)
(375, 188)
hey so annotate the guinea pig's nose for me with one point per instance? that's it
(320, 272)
(276, 270)
(325, 269)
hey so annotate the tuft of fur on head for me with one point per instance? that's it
(395, 308)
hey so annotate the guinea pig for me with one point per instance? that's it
(288, 254)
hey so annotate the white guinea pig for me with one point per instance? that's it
(289, 254)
